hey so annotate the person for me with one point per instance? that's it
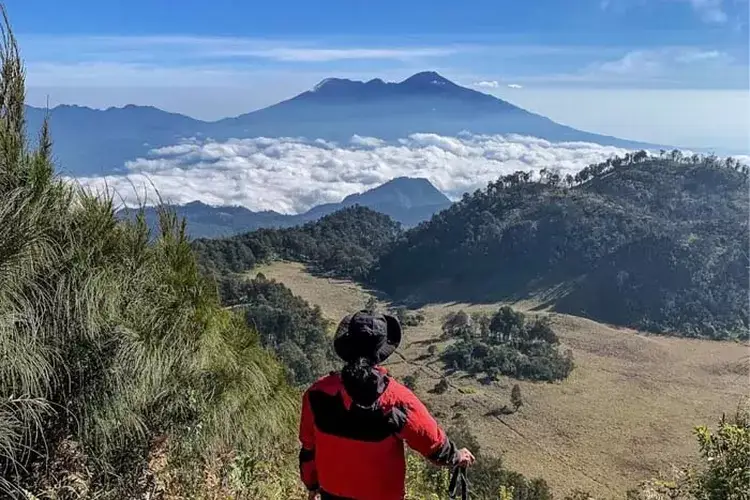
(355, 422)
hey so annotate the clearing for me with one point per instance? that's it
(626, 412)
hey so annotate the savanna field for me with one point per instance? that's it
(626, 412)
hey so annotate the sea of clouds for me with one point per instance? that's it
(291, 175)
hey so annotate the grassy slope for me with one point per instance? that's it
(625, 413)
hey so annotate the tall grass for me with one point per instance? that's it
(120, 373)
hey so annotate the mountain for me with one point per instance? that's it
(95, 142)
(406, 200)
(90, 142)
(658, 244)
(654, 243)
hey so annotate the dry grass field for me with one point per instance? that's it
(625, 413)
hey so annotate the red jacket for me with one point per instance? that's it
(355, 453)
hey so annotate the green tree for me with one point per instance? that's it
(515, 397)
(655, 243)
(454, 322)
(724, 472)
(410, 381)
(726, 455)
(114, 348)
(441, 387)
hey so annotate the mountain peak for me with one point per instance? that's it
(427, 78)
(334, 83)
(406, 192)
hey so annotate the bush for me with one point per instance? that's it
(488, 476)
(410, 381)
(119, 366)
(408, 318)
(441, 387)
(507, 345)
(724, 470)
(292, 328)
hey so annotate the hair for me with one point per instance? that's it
(361, 381)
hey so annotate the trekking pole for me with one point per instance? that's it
(459, 484)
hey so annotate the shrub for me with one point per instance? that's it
(115, 353)
(507, 345)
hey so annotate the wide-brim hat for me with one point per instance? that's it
(372, 336)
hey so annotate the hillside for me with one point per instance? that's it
(625, 413)
(654, 243)
(121, 374)
(408, 201)
(97, 142)
(345, 243)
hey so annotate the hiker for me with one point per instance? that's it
(355, 422)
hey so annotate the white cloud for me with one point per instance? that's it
(514, 86)
(668, 62)
(691, 56)
(180, 49)
(486, 84)
(711, 11)
(292, 175)
(310, 54)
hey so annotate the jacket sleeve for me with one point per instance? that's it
(308, 470)
(423, 434)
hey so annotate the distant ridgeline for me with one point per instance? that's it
(405, 199)
(657, 243)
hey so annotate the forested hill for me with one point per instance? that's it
(345, 243)
(655, 243)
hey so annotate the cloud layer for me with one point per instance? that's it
(292, 175)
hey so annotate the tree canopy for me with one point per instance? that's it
(657, 243)
(344, 244)
(294, 330)
(505, 343)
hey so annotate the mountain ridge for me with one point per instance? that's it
(407, 200)
(91, 142)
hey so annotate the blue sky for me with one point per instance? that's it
(661, 70)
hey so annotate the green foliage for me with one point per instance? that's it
(488, 476)
(410, 381)
(653, 243)
(579, 495)
(111, 341)
(406, 317)
(343, 244)
(726, 455)
(724, 472)
(441, 387)
(506, 344)
(456, 324)
(290, 327)
(516, 399)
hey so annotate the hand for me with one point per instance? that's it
(464, 458)
(312, 495)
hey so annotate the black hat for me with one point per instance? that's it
(367, 335)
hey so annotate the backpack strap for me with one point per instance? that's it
(459, 484)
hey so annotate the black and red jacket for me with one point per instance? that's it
(352, 452)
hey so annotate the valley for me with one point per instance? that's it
(626, 412)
